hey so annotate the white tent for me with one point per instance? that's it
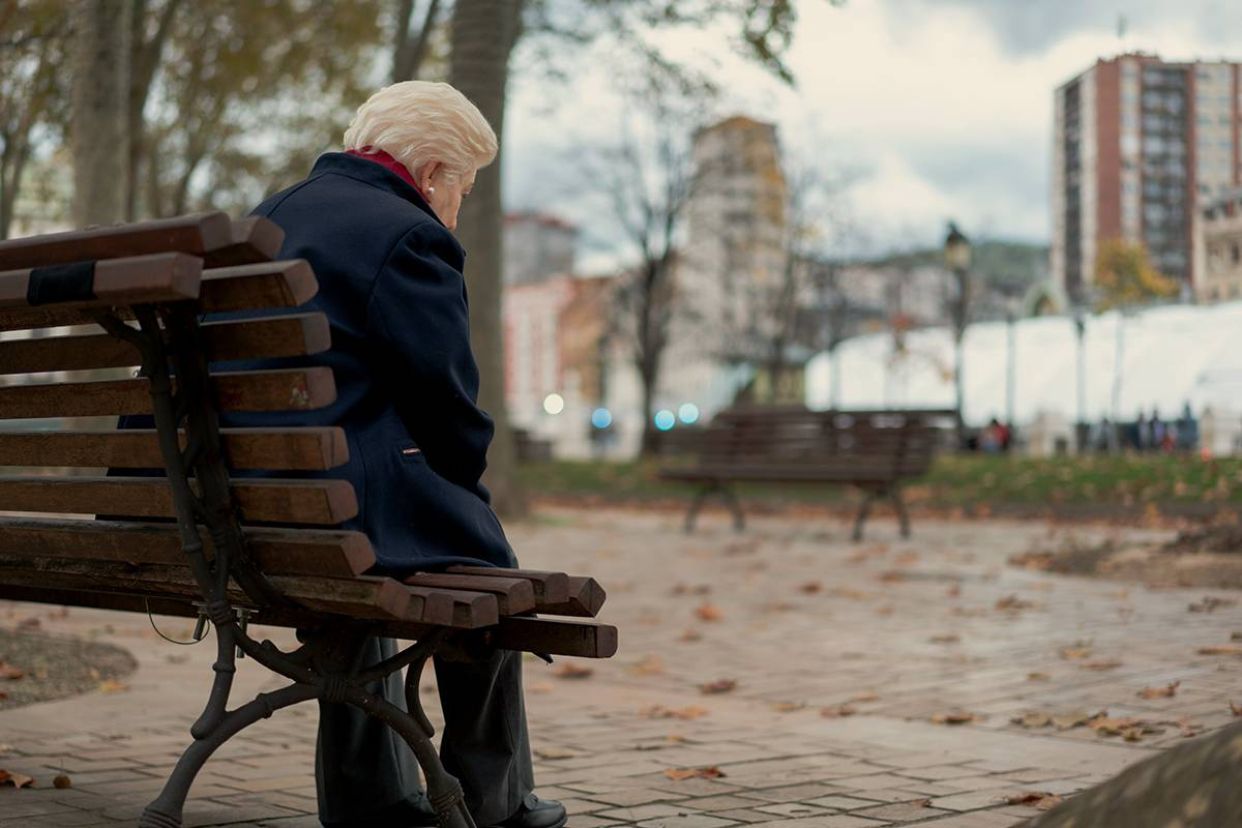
(1171, 356)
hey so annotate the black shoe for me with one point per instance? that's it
(537, 813)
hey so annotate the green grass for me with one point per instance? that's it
(953, 481)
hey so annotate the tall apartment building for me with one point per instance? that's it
(1140, 146)
(735, 228)
(537, 245)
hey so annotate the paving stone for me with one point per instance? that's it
(780, 643)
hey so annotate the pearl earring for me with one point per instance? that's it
(431, 190)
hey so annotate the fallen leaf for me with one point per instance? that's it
(708, 611)
(539, 687)
(1076, 718)
(1013, 603)
(1037, 799)
(1038, 677)
(112, 686)
(788, 707)
(17, 780)
(811, 587)
(62, 781)
(1166, 692)
(1033, 720)
(569, 670)
(1221, 649)
(553, 753)
(1211, 604)
(891, 576)
(949, 638)
(10, 673)
(1235, 709)
(718, 686)
(838, 711)
(1101, 664)
(661, 712)
(652, 665)
(1237, 636)
(954, 591)
(1076, 652)
(865, 697)
(679, 774)
(691, 635)
(954, 717)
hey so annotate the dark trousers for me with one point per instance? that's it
(367, 774)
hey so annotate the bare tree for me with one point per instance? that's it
(410, 44)
(99, 127)
(646, 183)
(32, 89)
(150, 30)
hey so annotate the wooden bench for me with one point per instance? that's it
(186, 545)
(874, 451)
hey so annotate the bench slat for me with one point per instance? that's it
(252, 239)
(322, 552)
(380, 599)
(194, 234)
(272, 337)
(467, 610)
(317, 502)
(163, 277)
(299, 389)
(513, 595)
(568, 638)
(294, 449)
(550, 587)
(586, 598)
(283, 284)
(517, 633)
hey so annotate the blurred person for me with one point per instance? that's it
(990, 439)
(1188, 429)
(1142, 434)
(375, 223)
(1159, 430)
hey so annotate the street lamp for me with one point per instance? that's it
(1013, 308)
(1080, 329)
(957, 255)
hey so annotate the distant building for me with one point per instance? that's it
(735, 231)
(537, 246)
(1219, 241)
(556, 358)
(1139, 146)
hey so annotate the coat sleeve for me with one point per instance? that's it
(419, 322)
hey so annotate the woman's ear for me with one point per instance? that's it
(425, 175)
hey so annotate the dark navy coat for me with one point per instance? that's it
(391, 285)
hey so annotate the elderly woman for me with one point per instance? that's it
(375, 222)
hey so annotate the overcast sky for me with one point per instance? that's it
(942, 107)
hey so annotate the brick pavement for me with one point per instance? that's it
(798, 617)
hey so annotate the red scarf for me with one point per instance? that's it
(387, 162)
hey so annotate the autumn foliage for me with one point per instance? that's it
(1124, 276)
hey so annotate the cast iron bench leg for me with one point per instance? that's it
(735, 506)
(902, 514)
(165, 811)
(696, 504)
(863, 511)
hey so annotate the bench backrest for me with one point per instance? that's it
(872, 445)
(54, 376)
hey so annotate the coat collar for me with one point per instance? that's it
(371, 172)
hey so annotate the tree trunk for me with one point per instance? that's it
(483, 35)
(99, 121)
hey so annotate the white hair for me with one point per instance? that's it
(417, 122)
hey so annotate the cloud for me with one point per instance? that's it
(945, 104)
(1024, 27)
